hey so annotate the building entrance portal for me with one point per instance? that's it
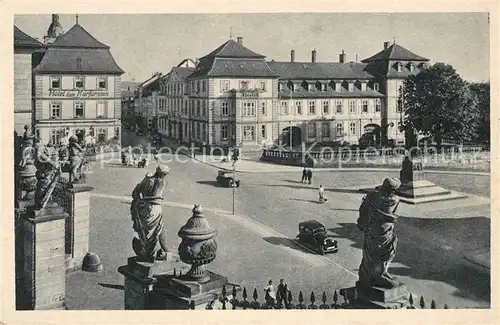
(291, 135)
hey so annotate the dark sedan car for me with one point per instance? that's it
(313, 234)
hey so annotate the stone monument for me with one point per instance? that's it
(152, 257)
(376, 287)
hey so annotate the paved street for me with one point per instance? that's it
(257, 244)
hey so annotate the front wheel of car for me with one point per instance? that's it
(321, 251)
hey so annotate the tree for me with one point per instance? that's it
(481, 91)
(438, 102)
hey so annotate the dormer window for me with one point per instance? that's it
(351, 86)
(363, 86)
(399, 67)
(324, 87)
(306, 86)
(376, 86)
(411, 67)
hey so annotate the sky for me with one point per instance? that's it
(143, 44)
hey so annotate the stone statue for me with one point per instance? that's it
(47, 174)
(76, 159)
(147, 217)
(376, 220)
(26, 170)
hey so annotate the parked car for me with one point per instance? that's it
(313, 235)
(225, 178)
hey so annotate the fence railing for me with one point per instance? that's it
(340, 299)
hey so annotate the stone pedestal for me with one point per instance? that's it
(182, 293)
(77, 226)
(141, 276)
(20, 216)
(372, 297)
(44, 269)
(415, 189)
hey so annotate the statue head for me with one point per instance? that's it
(389, 186)
(27, 128)
(162, 170)
(73, 139)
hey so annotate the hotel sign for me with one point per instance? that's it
(78, 93)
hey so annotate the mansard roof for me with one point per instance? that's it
(21, 39)
(232, 49)
(319, 70)
(78, 37)
(395, 52)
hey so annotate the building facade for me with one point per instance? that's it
(24, 47)
(146, 103)
(234, 96)
(77, 89)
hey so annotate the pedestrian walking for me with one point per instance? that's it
(309, 176)
(270, 293)
(282, 291)
(304, 175)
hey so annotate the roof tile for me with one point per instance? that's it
(395, 52)
(232, 49)
(21, 39)
(78, 37)
(319, 70)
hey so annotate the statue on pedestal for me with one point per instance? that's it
(76, 159)
(376, 220)
(48, 173)
(147, 217)
(26, 168)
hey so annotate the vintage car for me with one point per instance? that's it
(225, 178)
(313, 235)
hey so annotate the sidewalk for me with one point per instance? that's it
(256, 166)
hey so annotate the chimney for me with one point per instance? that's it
(313, 58)
(292, 56)
(240, 40)
(386, 45)
(342, 57)
(55, 18)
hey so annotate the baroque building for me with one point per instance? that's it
(77, 87)
(234, 96)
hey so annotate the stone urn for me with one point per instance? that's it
(198, 246)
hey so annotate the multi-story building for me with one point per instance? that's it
(24, 47)
(146, 102)
(129, 89)
(173, 115)
(237, 97)
(77, 89)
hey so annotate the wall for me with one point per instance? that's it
(23, 109)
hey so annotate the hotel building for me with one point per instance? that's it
(234, 96)
(77, 88)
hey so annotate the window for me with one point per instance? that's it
(244, 85)
(399, 67)
(102, 134)
(324, 87)
(298, 107)
(204, 134)
(376, 86)
(198, 108)
(280, 87)
(325, 129)
(56, 135)
(55, 82)
(339, 106)
(363, 86)
(340, 129)
(248, 132)
(102, 82)
(224, 85)
(306, 86)
(352, 106)
(198, 87)
(198, 130)
(224, 132)
(263, 108)
(263, 130)
(262, 85)
(311, 130)
(79, 111)
(248, 109)
(101, 109)
(204, 108)
(79, 82)
(284, 108)
(225, 108)
(55, 109)
(377, 105)
(312, 107)
(365, 106)
(326, 107)
(203, 85)
(411, 67)
(117, 131)
(352, 128)
(351, 86)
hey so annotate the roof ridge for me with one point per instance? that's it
(90, 36)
